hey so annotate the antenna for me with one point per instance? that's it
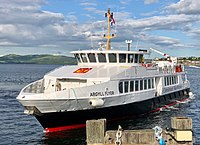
(129, 44)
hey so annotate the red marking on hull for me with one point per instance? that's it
(63, 128)
(169, 105)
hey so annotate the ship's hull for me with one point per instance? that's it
(60, 120)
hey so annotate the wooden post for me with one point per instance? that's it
(182, 128)
(95, 131)
(181, 123)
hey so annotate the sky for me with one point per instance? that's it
(61, 26)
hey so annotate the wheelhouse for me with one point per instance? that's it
(112, 57)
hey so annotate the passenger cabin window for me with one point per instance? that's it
(112, 58)
(101, 57)
(77, 57)
(83, 57)
(141, 84)
(136, 58)
(170, 80)
(91, 57)
(152, 83)
(145, 84)
(136, 85)
(125, 86)
(149, 83)
(131, 86)
(122, 58)
(130, 58)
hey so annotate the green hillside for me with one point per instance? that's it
(38, 59)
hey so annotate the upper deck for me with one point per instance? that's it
(109, 57)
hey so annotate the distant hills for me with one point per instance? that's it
(37, 59)
(66, 60)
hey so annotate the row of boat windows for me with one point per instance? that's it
(170, 80)
(136, 85)
(109, 57)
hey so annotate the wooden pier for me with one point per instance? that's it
(180, 133)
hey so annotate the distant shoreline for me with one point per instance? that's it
(37, 59)
(66, 60)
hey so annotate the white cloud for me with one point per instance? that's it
(150, 1)
(24, 24)
(170, 22)
(94, 10)
(88, 4)
(124, 2)
(185, 7)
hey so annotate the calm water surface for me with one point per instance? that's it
(19, 128)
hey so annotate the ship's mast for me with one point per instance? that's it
(108, 37)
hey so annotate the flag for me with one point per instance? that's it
(112, 20)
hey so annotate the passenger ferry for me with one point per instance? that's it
(105, 83)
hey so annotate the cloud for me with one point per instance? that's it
(24, 24)
(94, 10)
(185, 7)
(164, 41)
(150, 1)
(124, 2)
(71, 17)
(88, 4)
(170, 22)
(193, 32)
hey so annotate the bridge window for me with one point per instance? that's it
(122, 58)
(92, 57)
(136, 58)
(83, 57)
(101, 57)
(141, 58)
(77, 57)
(130, 58)
(112, 57)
